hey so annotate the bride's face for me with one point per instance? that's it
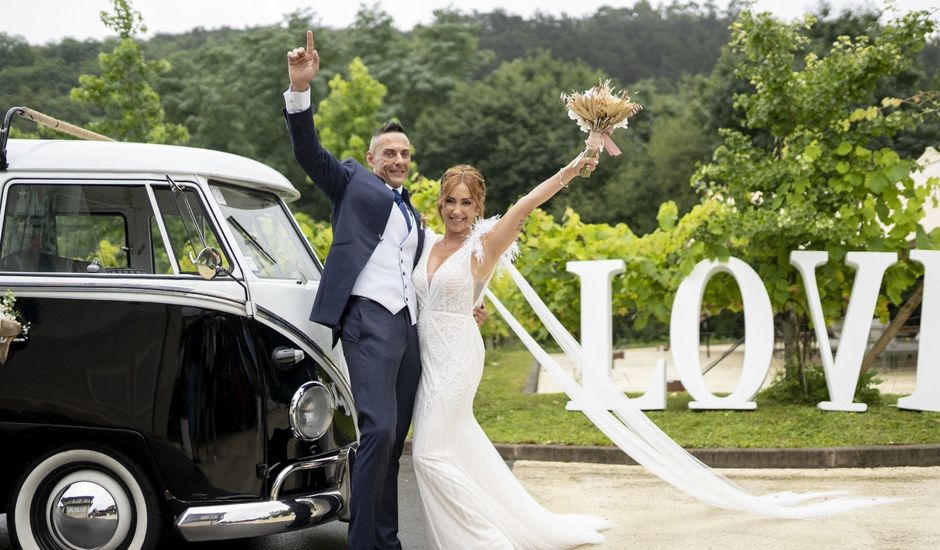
(459, 210)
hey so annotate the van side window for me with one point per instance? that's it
(183, 236)
(69, 228)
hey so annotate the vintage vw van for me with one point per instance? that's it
(170, 377)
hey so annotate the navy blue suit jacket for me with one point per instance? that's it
(360, 203)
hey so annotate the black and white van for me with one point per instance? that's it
(170, 375)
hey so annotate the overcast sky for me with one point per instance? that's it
(42, 21)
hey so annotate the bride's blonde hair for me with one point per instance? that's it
(469, 176)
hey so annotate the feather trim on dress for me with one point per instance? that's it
(475, 238)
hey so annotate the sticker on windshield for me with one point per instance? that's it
(250, 262)
(219, 197)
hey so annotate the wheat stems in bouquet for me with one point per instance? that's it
(598, 112)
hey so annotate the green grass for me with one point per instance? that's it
(510, 416)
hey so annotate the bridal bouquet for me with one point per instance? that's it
(10, 326)
(599, 111)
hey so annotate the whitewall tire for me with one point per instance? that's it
(83, 498)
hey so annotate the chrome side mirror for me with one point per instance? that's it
(208, 263)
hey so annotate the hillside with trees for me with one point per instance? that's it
(478, 88)
(754, 133)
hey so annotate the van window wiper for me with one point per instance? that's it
(251, 238)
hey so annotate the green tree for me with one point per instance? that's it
(347, 118)
(130, 106)
(628, 43)
(228, 88)
(15, 51)
(442, 55)
(511, 125)
(812, 167)
(715, 94)
(386, 50)
(661, 150)
(422, 68)
(25, 71)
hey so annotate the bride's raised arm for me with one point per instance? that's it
(497, 240)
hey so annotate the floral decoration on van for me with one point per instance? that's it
(11, 323)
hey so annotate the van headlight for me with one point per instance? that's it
(311, 411)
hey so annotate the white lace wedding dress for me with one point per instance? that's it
(470, 497)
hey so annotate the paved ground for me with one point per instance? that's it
(634, 370)
(650, 514)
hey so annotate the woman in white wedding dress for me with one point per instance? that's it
(470, 497)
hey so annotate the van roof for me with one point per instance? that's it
(32, 155)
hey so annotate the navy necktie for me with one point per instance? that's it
(404, 209)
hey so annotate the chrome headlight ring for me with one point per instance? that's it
(311, 411)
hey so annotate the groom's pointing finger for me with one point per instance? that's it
(309, 42)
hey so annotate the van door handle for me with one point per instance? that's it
(284, 358)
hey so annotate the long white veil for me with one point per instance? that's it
(635, 434)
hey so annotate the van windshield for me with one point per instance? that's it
(270, 244)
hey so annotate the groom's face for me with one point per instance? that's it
(390, 156)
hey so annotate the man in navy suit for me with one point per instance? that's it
(366, 296)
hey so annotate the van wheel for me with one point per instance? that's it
(80, 498)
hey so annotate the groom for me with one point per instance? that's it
(366, 296)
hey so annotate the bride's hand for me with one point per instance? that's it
(480, 314)
(581, 161)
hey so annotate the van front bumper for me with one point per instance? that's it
(275, 515)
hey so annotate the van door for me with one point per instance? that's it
(284, 274)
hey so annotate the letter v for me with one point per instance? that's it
(842, 373)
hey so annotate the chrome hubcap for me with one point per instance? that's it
(84, 515)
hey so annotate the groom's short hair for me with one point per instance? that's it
(390, 127)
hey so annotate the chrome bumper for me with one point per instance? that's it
(275, 515)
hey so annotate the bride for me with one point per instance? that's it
(470, 497)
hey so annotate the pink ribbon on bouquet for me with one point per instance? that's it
(609, 144)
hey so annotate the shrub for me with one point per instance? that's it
(808, 385)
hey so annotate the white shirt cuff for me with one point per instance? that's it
(296, 101)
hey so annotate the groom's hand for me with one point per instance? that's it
(480, 314)
(302, 65)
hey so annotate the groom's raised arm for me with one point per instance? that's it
(328, 173)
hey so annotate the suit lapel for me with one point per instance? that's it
(414, 212)
(374, 205)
